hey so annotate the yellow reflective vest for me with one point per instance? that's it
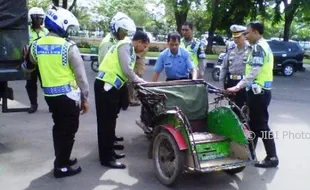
(51, 55)
(110, 70)
(33, 35)
(192, 49)
(265, 77)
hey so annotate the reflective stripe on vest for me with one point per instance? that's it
(265, 77)
(51, 54)
(192, 49)
(110, 70)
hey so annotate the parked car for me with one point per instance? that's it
(288, 56)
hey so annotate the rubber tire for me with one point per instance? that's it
(180, 156)
(94, 66)
(235, 170)
(214, 74)
(287, 65)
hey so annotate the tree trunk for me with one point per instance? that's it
(56, 2)
(181, 9)
(65, 4)
(212, 28)
(180, 18)
(289, 16)
(72, 5)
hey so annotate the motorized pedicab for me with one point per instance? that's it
(185, 136)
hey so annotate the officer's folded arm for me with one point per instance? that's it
(77, 65)
(125, 60)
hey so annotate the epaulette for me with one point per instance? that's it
(71, 41)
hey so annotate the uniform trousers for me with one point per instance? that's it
(139, 70)
(65, 114)
(108, 105)
(240, 97)
(259, 117)
(32, 88)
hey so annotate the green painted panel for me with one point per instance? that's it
(223, 121)
(213, 150)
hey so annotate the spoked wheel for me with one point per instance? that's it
(95, 65)
(216, 74)
(168, 159)
(245, 110)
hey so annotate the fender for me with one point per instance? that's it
(218, 66)
(174, 132)
(177, 136)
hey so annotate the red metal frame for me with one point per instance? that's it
(177, 136)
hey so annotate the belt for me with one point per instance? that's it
(236, 77)
(64, 89)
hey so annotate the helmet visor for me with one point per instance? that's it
(73, 30)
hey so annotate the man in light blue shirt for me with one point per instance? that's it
(175, 60)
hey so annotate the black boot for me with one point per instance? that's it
(119, 138)
(72, 162)
(268, 162)
(117, 146)
(33, 109)
(114, 164)
(66, 171)
(118, 156)
(271, 159)
(32, 94)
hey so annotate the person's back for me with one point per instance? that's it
(107, 42)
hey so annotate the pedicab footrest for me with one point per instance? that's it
(205, 137)
(222, 164)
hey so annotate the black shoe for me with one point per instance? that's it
(268, 162)
(66, 171)
(119, 138)
(72, 162)
(118, 146)
(33, 108)
(119, 156)
(114, 164)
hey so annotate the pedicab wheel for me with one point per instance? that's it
(235, 170)
(216, 74)
(168, 159)
(94, 65)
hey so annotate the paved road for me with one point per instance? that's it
(26, 151)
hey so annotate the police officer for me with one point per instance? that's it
(139, 70)
(258, 83)
(36, 30)
(195, 47)
(107, 42)
(64, 84)
(233, 68)
(175, 60)
(115, 71)
(111, 38)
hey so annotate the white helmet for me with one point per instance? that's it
(35, 11)
(121, 20)
(60, 21)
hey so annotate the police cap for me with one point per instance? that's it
(237, 30)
